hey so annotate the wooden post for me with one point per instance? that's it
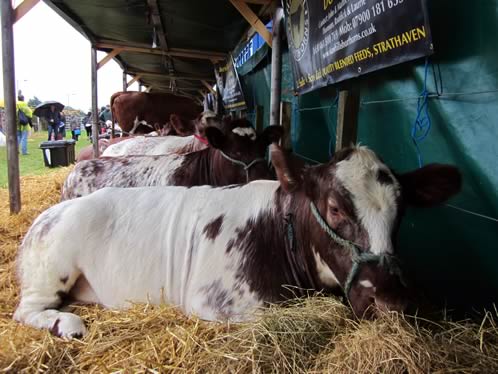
(276, 67)
(9, 94)
(95, 107)
(285, 117)
(347, 118)
(125, 82)
(140, 87)
(259, 118)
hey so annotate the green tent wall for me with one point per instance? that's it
(451, 254)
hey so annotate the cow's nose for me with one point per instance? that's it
(397, 305)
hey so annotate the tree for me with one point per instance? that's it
(34, 102)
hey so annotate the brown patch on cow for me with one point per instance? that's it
(213, 228)
(219, 299)
(230, 246)
(54, 330)
(383, 177)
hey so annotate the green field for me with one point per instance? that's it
(33, 164)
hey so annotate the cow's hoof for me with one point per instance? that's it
(68, 326)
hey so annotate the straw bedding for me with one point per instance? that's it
(316, 334)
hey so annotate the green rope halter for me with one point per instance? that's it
(242, 163)
(358, 257)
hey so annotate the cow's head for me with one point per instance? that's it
(243, 148)
(207, 119)
(351, 207)
(180, 126)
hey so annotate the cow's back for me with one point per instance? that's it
(137, 171)
(142, 145)
(151, 107)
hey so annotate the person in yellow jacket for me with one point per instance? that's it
(22, 129)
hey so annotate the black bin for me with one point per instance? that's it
(58, 152)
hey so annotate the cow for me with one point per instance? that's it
(86, 153)
(174, 144)
(176, 128)
(236, 156)
(131, 109)
(221, 253)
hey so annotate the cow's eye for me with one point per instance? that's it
(334, 210)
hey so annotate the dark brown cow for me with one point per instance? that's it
(151, 110)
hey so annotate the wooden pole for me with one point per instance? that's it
(347, 118)
(95, 107)
(259, 118)
(125, 83)
(285, 115)
(276, 68)
(9, 94)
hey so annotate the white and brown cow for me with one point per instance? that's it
(184, 143)
(234, 157)
(222, 253)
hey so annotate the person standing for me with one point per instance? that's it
(53, 117)
(62, 127)
(23, 123)
(75, 128)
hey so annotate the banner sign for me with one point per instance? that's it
(228, 84)
(334, 40)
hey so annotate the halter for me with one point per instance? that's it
(242, 163)
(358, 257)
(201, 139)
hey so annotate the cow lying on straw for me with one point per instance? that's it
(222, 253)
(234, 157)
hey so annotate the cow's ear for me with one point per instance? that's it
(272, 134)
(175, 121)
(215, 137)
(430, 185)
(178, 125)
(288, 172)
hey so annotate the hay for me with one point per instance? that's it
(309, 335)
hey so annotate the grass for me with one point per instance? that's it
(33, 164)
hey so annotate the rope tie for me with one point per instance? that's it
(422, 124)
(245, 166)
(358, 257)
(201, 139)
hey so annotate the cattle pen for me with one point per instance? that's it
(419, 93)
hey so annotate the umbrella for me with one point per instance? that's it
(42, 109)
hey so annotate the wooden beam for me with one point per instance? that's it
(125, 82)
(253, 20)
(209, 87)
(109, 57)
(155, 17)
(135, 78)
(23, 8)
(171, 76)
(148, 89)
(347, 118)
(259, 2)
(173, 52)
(95, 107)
(259, 120)
(9, 94)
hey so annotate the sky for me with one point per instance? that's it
(52, 62)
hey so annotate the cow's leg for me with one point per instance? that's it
(43, 289)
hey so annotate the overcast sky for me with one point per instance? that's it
(52, 62)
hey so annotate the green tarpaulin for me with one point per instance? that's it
(451, 252)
